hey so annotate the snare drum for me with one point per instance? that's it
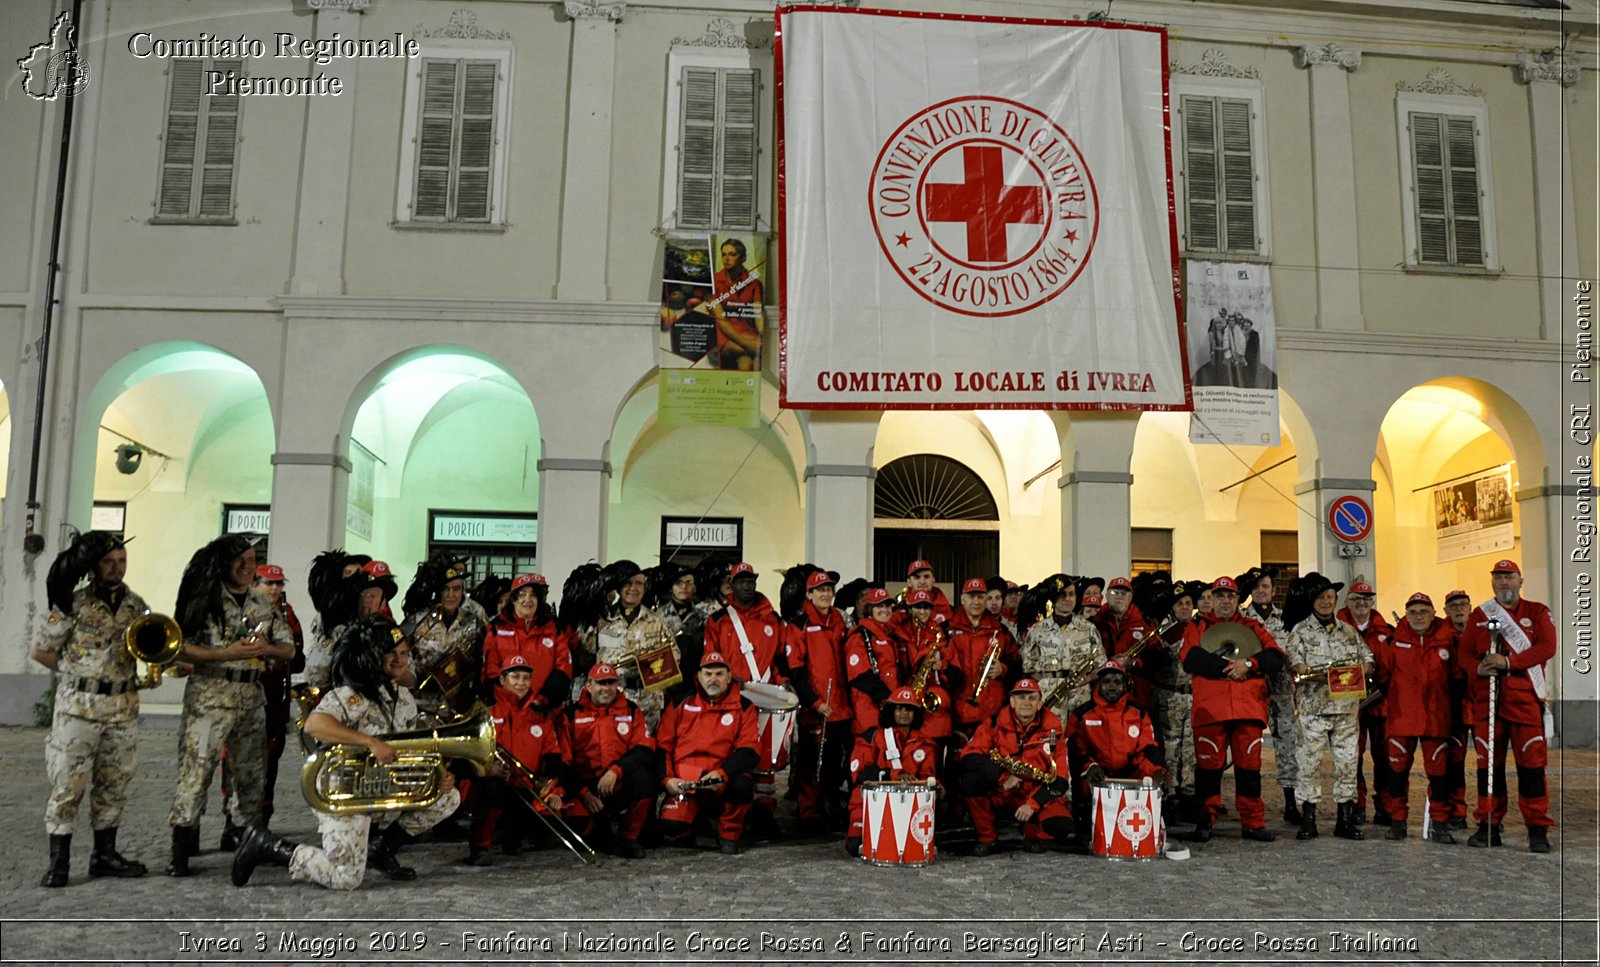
(776, 710)
(1127, 820)
(897, 828)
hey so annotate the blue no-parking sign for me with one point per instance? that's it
(1350, 518)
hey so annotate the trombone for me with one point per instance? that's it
(540, 807)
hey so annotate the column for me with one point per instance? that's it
(1547, 75)
(839, 479)
(323, 207)
(573, 495)
(1333, 184)
(1096, 452)
(309, 490)
(586, 184)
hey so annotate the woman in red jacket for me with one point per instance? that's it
(897, 751)
(528, 736)
(526, 627)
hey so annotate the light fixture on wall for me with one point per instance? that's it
(131, 454)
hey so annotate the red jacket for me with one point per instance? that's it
(1416, 669)
(917, 642)
(1042, 744)
(607, 738)
(969, 650)
(868, 689)
(1516, 700)
(699, 735)
(1376, 636)
(522, 729)
(1117, 636)
(813, 652)
(762, 627)
(546, 649)
(1116, 736)
(1216, 697)
(918, 756)
(942, 611)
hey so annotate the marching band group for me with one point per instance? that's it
(659, 706)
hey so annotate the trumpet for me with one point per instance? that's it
(1161, 629)
(992, 656)
(539, 805)
(931, 702)
(1074, 676)
(156, 640)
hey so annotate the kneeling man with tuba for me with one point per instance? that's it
(366, 706)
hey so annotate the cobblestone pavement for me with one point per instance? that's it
(797, 903)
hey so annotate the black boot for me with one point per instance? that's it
(380, 853)
(1202, 828)
(1485, 836)
(1397, 830)
(1344, 823)
(1291, 812)
(185, 844)
(106, 861)
(231, 835)
(1538, 839)
(1358, 815)
(1308, 822)
(60, 857)
(257, 846)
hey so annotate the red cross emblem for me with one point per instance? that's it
(984, 206)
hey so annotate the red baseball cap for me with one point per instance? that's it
(270, 574)
(1092, 600)
(975, 584)
(742, 569)
(1362, 588)
(916, 566)
(1419, 598)
(713, 658)
(377, 569)
(1457, 593)
(1013, 586)
(516, 661)
(904, 696)
(1504, 565)
(1225, 583)
(1025, 685)
(821, 578)
(1109, 666)
(1119, 584)
(523, 580)
(603, 672)
(919, 596)
(879, 596)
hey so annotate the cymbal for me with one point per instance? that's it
(1230, 640)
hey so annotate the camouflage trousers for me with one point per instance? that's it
(1318, 732)
(1177, 737)
(80, 750)
(220, 714)
(340, 862)
(1281, 719)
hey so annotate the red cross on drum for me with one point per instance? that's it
(1127, 820)
(984, 206)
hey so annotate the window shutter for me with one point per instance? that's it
(1462, 155)
(740, 113)
(476, 153)
(434, 139)
(1428, 184)
(180, 138)
(697, 148)
(221, 147)
(1200, 173)
(1238, 176)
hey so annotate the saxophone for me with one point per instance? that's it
(931, 702)
(1023, 769)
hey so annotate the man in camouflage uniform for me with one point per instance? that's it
(231, 629)
(627, 629)
(1316, 644)
(440, 625)
(1060, 643)
(94, 732)
(1280, 705)
(369, 662)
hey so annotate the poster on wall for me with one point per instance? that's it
(363, 489)
(977, 212)
(1472, 515)
(1233, 353)
(713, 316)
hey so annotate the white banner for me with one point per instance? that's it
(976, 213)
(1233, 354)
(1472, 515)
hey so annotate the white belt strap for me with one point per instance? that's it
(756, 675)
(1517, 640)
(892, 749)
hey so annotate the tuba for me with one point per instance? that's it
(345, 779)
(156, 640)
